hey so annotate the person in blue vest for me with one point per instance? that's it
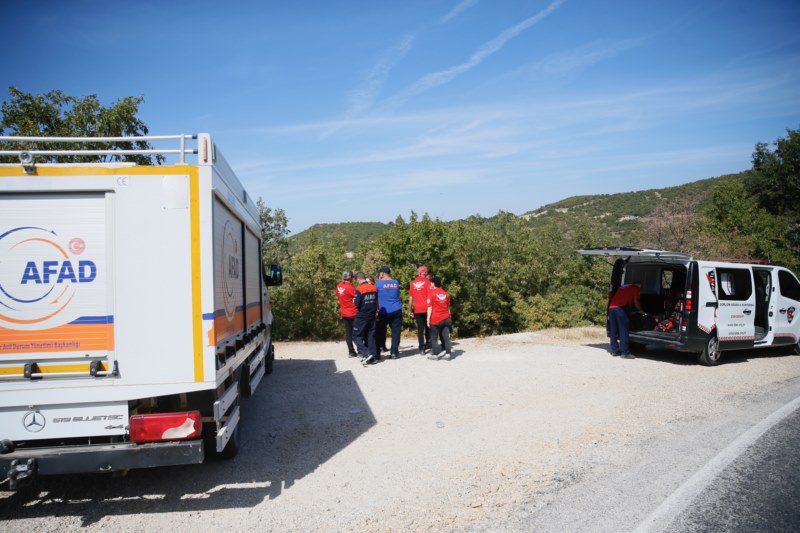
(390, 310)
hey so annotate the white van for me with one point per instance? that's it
(707, 307)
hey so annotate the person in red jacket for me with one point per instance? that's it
(625, 297)
(346, 293)
(439, 319)
(418, 307)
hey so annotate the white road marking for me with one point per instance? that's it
(676, 502)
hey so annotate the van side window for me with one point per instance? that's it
(734, 284)
(790, 287)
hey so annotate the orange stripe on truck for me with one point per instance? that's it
(66, 338)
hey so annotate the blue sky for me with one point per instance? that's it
(364, 110)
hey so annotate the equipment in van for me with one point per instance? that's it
(708, 307)
(134, 310)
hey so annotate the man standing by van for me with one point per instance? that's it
(625, 296)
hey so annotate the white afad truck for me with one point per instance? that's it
(134, 310)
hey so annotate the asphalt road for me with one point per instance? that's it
(737, 473)
(758, 492)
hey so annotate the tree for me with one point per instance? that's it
(775, 179)
(274, 230)
(672, 225)
(736, 226)
(55, 114)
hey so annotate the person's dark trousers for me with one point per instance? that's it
(618, 324)
(348, 334)
(395, 322)
(423, 332)
(380, 331)
(442, 329)
(364, 335)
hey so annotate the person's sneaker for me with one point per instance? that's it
(369, 360)
(628, 355)
(447, 356)
(352, 354)
(394, 355)
(423, 351)
(434, 357)
(616, 354)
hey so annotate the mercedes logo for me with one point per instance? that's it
(33, 421)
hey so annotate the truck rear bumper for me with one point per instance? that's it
(99, 458)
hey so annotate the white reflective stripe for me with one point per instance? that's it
(679, 500)
(225, 433)
(222, 405)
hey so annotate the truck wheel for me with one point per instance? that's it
(269, 359)
(232, 448)
(711, 354)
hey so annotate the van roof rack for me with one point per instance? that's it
(629, 251)
(747, 261)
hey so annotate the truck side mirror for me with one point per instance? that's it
(275, 277)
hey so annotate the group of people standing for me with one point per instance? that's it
(367, 309)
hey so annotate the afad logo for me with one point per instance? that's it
(231, 272)
(39, 277)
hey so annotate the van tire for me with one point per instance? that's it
(796, 348)
(711, 354)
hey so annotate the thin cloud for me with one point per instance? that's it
(362, 98)
(456, 11)
(493, 46)
(563, 63)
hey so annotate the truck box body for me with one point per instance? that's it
(124, 290)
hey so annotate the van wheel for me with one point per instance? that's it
(796, 348)
(711, 354)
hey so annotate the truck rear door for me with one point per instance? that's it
(56, 302)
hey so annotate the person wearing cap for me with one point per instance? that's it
(418, 307)
(366, 301)
(346, 293)
(390, 310)
(439, 319)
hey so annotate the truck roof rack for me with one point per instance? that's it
(27, 157)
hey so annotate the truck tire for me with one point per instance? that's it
(232, 448)
(711, 354)
(269, 359)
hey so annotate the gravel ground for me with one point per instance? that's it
(475, 443)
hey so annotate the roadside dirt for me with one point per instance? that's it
(412, 444)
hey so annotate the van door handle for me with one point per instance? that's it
(747, 311)
(782, 311)
(711, 304)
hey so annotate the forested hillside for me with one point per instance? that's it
(511, 273)
(351, 234)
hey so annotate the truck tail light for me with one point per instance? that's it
(688, 302)
(166, 426)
